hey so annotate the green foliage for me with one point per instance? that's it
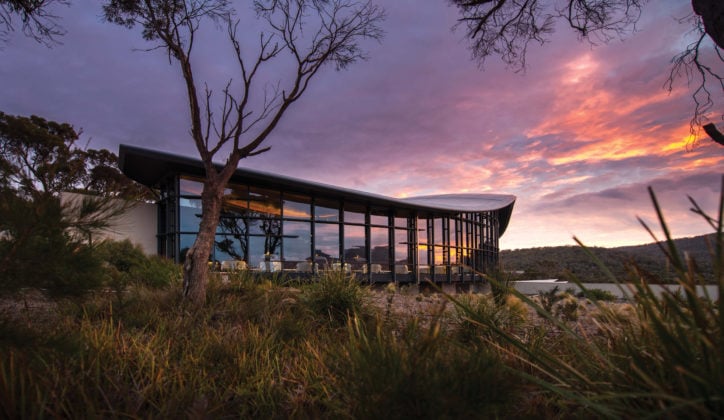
(38, 157)
(598, 295)
(128, 265)
(44, 243)
(256, 350)
(660, 358)
(489, 316)
(37, 251)
(335, 295)
(419, 373)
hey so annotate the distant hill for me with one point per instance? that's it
(567, 262)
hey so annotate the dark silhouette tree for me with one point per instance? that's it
(39, 157)
(506, 28)
(34, 18)
(308, 33)
(43, 240)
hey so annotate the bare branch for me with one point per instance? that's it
(699, 75)
(506, 27)
(36, 21)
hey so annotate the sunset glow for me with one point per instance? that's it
(577, 137)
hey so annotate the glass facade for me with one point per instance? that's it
(278, 230)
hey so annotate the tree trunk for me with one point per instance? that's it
(196, 268)
(712, 16)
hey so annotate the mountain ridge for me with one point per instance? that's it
(572, 262)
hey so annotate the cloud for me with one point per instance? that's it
(576, 138)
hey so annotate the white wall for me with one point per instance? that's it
(138, 224)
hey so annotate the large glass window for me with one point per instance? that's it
(236, 197)
(437, 231)
(379, 241)
(229, 248)
(190, 186)
(189, 214)
(265, 202)
(297, 207)
(354, 217)
(355, 252)
(379, 219)
(326, 212)
(326, 242)
(297, 243)
(402, 246)
(403, 255)
(261, 252)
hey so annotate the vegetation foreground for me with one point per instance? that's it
(265, 349)
(268, 347)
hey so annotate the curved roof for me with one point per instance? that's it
(464, 202)
(149, 167)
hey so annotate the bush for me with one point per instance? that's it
(419, 373)
(37, 252)
(597, 294)
(127, 265)
(335, 295)
(658, 358)
(478, 316)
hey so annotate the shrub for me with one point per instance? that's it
(658, 358)
(597, 294)
(37, 251)
(334, 295)
(127, 265)
(419, 373)
(478, 316)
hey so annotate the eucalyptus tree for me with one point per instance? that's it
(44, 241)
(506, 28)
(33, 17)
(305, 35)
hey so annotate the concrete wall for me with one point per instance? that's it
(138, 224)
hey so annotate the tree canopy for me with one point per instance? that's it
(39, 157)
(34, 17)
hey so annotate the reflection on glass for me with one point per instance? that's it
(355, 252)
(232, 234)
(382, 220)
(422, 255)
(269, 230)
(236, 198)
(401, 222)
(454, 229)
(189, 214)
(380, 253)
(297, 209)
(453, 255)
(265, 201)
(326, 214)
(190, 186)
(326, 241)
(438, 255)
(354, 217)
(297, 242)
(438, 233)
(229, 248)
(422, 231)
(401, 248)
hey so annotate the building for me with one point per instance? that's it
(276, 223)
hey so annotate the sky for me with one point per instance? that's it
(577, 138)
